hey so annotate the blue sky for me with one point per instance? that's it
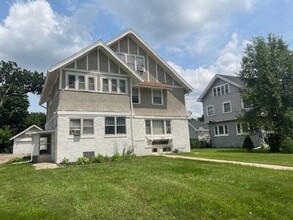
(198, 38)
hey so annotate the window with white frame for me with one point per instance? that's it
(81, 82)
(242, 128)
(114, 85)
(135, 95)
(133, 61)
(245, 105)
(210, 110)
(115, 125)
(158, 127)
(81, 126)
(221, 130)
(227, 107)
(221, 90)
(157, 96)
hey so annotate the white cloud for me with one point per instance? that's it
(36, 37)
(193, 24)
(227, 63)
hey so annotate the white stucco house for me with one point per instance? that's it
(111, 96)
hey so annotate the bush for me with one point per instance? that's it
(248, 144)
(274, 141)
(65, 161)
(116, 157)
(82, 161)
(15, 160)
(98, 159)
(287, 145)
(196, 143)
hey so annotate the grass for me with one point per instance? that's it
(145, 188)
(237, 154)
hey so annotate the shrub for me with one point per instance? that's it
(116, 157)
(274, 141)
(196, 143)
(15, 160)
(82, 160)
(98, 159)
(65, 161)
(247, 143)
(287, 145)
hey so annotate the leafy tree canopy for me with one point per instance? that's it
(15, 83)
(267, 71)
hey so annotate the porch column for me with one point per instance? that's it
(36, 147)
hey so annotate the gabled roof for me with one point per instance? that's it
(29, 128)
(65, 62)
(150, 51)
(197, 124)
(234, 80)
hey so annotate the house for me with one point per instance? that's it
(113, 96)
(222, 105)
(198, 130)
(22, 143)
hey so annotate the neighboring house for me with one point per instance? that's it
(22, 143)
(222, 105)
(198, 130)
(113, 96)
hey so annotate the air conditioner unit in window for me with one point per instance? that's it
(140, 69)
(75, 132)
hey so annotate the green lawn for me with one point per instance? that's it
(146, 188)
(257, 156)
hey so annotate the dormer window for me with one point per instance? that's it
(114, 85)
(221, 90)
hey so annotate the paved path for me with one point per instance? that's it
(267, 166)
(6, 157)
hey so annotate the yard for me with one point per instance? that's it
(145, 188)
(237, 154)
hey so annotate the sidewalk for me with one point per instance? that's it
(267, 166)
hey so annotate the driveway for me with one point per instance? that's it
(6, 157)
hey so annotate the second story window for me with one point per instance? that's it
(135, 95)
(114, 85)
(83, 82)
(227, 107)
(221, 90)
(210, 110)
(157, 97)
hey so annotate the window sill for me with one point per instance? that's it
(81, 137)
(115, 136)
(221, 135)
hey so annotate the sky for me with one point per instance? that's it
(198, 38)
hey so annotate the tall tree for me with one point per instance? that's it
(267, 71)
(15, 83)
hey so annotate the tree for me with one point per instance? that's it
(15, 83)
(267, 71)
(247, 143)
(37, 118)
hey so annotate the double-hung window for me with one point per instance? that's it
(227, 107)
(158, 127)
(81, 82)
(157, 97)
(114, 85)
(210, 110)
(81, 126)
(115, 125)
(242, 129)
(221, 130)
(221, 90)
(133, 61)
(135, 95)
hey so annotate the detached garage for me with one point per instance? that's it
(22, 143)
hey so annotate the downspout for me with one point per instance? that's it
(131, 116)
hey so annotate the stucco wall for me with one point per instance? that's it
(174, 103)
